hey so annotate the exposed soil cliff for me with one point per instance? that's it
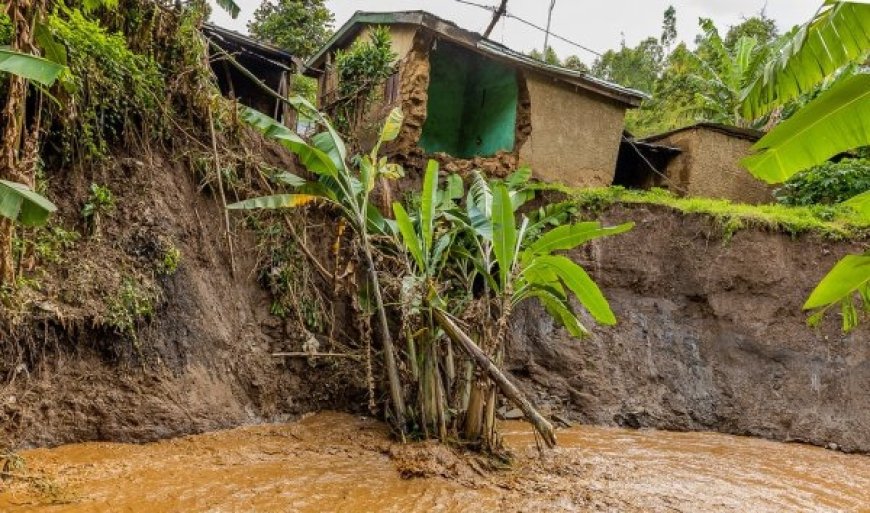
(710, 336)
(202, 361)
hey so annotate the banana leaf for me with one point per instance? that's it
(837, 121)
(19, 202)
(838, 35)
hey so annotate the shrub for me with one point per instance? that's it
(110, 88)
(826, 184)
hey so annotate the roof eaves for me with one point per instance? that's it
(270, 52)
(733, 131)
(475, 41)
(627, 95)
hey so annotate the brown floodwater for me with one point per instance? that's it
(341, 463)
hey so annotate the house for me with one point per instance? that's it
(473, 103)
(263, 63)
(708, 163)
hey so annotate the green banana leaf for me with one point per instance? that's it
(837, 121)
(838, 35)
(409, 235)
(579, 282)
(19, 202)
(33, 68)
(230, 7)
(849, 277)
(504, 232)
(570, 236)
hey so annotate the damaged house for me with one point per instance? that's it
(470, 102)
(253, 61)
(697, 160)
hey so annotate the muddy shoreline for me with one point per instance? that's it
(348, 464)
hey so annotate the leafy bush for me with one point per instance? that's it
(360, 69)
(826, 184)
(168, 264)
(132, 303)
(100, 201)
(111, 89)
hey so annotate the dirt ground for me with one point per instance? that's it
(343, 463)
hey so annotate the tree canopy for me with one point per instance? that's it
(300, 27)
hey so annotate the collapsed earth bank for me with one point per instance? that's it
(710, 334)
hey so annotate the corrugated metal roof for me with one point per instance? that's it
(271, 53)
(748, 134)
(472, 40)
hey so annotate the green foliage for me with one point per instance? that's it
(5, 29)
(361, 69)
(838, 35)
(848, 279)
(39, 70)
(51, 241)
(131, 304)
(111, 89)
(638, 67)
(19, 203)
(300, 27)
(833, 123)
(669, 28)
(169, 262)
(761, 28)
(833, 222)
(100, 201)
(707, 83)
(826, 184)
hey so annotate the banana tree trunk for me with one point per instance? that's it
(542, 425)
(386, 340)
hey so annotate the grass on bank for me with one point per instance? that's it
(833, 222)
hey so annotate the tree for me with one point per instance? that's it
(348, 188)
(669, 28)
(721, 75)
(637, 67)
(549, 56)
(760, 27)
(573, 62)
(300, 27)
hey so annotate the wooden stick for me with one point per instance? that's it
(510, 390)
(301, 354)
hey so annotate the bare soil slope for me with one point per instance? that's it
(711, 336)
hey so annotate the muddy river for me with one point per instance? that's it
(341, 463)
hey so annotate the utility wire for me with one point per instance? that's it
(493, 9)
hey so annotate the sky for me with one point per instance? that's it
(599, 24)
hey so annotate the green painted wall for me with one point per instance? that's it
(472, 107)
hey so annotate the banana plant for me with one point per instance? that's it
(347, 185)
(836, 121)
(517, 263)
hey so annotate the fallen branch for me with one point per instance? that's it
(301, 354)
(542, 425)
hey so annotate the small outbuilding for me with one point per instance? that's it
(262, 62)
(708, 163)
(473, 103)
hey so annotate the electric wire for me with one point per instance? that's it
(532, 25)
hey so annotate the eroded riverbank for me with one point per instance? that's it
(337, 462)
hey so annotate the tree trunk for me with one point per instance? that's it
(386, 340)
(544, 428)
(22, 14)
